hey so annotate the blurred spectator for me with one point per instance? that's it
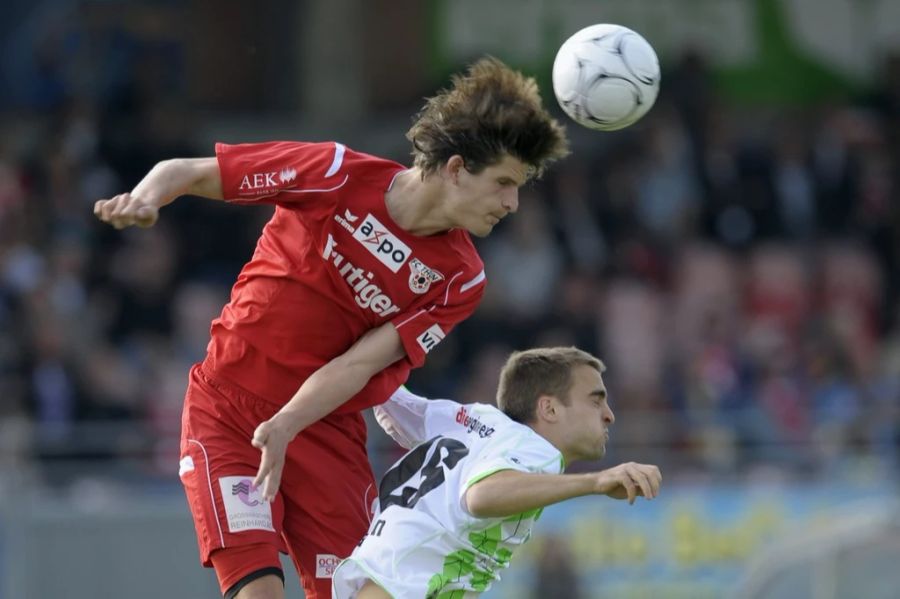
(579, 233)
(526, 263)
(668, 192)
(794, 184)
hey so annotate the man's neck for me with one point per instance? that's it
(416, 204)
(549, 435)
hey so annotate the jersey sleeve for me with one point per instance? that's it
(526, 452)
(421, 330)
(411, 419)
(285, 173)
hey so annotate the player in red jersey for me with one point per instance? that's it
(365, 266)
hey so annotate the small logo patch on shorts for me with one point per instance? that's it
(325, 565)
(185, 465)
(244, 505)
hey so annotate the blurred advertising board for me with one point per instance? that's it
(692, 542)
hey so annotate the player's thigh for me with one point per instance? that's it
(371, 590)
(317, 543)
(268, 587)
(217, 468)
(328, 489)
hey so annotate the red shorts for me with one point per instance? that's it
(322, 509)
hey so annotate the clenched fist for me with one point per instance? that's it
(125, 210)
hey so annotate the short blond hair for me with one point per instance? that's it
(529, 374)
(490, 111)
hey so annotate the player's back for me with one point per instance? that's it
(422, 540)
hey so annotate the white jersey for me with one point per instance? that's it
(422, 541)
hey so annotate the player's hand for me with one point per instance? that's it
(272, 437)
(629, 481)
(125, 210)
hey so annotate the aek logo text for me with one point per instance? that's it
(258, 181)
(382, 244)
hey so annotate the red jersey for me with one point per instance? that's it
(330, 265)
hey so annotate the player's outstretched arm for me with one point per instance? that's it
(323, 392)
(165, 182)
(511, 492)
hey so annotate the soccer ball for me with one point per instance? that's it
(606, 77)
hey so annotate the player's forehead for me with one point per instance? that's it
(587, 379)
(510, 167)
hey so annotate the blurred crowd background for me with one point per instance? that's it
(732, 258)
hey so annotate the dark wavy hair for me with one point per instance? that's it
(490, 111)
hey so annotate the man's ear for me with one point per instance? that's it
(454, 165)
(547, 408)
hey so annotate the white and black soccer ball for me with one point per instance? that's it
(606, 77)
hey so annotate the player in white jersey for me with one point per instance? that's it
(454, 509)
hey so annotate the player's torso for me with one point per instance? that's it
(376, 269)
(420, 500)
(328, 274)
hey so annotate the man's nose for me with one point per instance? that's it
(511, 201)
(609, 417)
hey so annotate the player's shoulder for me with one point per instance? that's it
(491, 416)
(364, 165)
(468, 274)
(455, 248)
(292, 159)
(465, 247)
(487, 409)
(338, 159)
(517, 442)
(524, 446)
